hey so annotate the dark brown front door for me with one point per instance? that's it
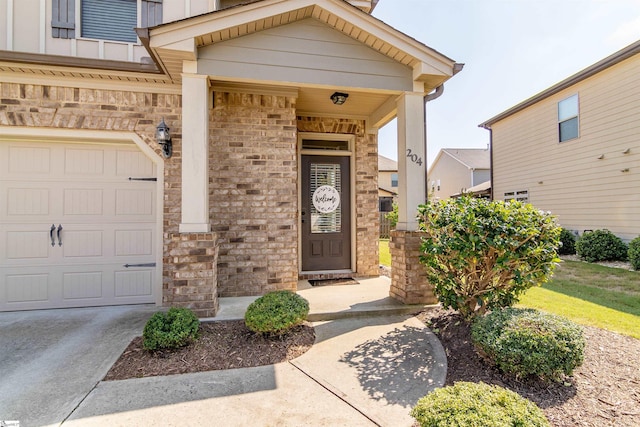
(326, 213)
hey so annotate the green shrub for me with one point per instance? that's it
(471, 404)
(175, 328)
(526, 342)
(601, 245)
(481, 255)
(568, 242)
(393, 216)
(634, 253)
(276, 313)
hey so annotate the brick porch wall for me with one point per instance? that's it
(367, 221)
(253, 192)
(408, 277)
(43, 106)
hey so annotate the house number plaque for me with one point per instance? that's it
(326, 199)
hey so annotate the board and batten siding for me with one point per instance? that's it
(569, 179)
(305, 52)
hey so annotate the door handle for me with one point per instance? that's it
(53, 239)
(59, 238)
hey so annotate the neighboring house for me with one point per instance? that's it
(387, 183)
(455, 170)
(574, 149)
(273, 109)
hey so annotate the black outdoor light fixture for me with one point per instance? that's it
(339, 98)
(164, 139)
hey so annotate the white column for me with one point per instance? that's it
(411, 159)
(195, 154)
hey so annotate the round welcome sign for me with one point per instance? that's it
(326, 199)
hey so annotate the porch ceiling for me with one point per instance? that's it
(177, 42)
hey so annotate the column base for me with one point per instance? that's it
(409, 282)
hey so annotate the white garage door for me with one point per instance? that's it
(75, 231)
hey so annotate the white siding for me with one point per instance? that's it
(304, 52)
(568, 178)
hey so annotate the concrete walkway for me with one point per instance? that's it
(363, 370)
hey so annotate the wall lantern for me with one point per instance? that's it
(339, 98)
(164, 139)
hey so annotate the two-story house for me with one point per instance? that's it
(458, 170)
(573, 149)
(222, 148)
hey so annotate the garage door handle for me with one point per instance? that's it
(59, 237)
(53, 239)
(149, 264)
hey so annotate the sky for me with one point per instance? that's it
(512, 50)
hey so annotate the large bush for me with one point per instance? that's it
(175, 328)
(634, 253)
(601, 245)
(482, 255)
(568, 242)
(276, 313)
(526, 342)
(472, 404)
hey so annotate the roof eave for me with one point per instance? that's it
(621, 55)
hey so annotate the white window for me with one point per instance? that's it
(568, 122)
(520, 196)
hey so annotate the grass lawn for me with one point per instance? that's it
(385, 255)
(590, 294)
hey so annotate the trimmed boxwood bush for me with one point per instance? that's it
(482, 255)
(175, 328)
(634, 253)
(471, 404)
(568, 242)
(601, 245)
(276, 313)
(527, 342)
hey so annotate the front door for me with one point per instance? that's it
(326, 213)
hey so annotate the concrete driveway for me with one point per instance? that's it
(50, 360)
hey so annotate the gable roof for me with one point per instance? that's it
(472, 158)
(626, 53)
(385, 164)
(172, 43)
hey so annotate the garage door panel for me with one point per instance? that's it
(133, 283)
(82, 243)
(88, 162)
(27, 245)
(106, 221)
(83, 201)
(82, 285)
(29, 160)
(133, 242)
(134, 164)
(23, 201)
(27, 287)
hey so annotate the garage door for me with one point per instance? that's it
(75, 230)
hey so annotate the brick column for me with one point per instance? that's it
(190, 278)
(408, 277)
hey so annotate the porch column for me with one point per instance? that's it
(195, 154)
(408, 277)
(411, 159)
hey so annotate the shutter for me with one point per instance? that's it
(151, 13)
(109, 20)
(63, 19)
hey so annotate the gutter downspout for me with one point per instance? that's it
(488, 127)
(457, 67)
(427, 98)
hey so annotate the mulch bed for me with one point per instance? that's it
(604, 391)
(222, 345)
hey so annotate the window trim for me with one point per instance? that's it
(569, 118)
